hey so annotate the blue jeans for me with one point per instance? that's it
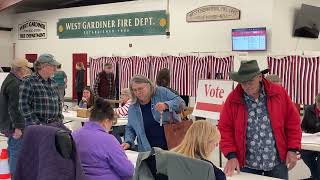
(14, 146)
(312, 160)
(279, 171)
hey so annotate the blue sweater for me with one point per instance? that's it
(135, 127)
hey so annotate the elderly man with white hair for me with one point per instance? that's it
(11, 120)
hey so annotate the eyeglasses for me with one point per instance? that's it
(139, 89)
(250, 82)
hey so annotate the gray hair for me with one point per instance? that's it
(273, 78)
(126, 92)
(139, 79)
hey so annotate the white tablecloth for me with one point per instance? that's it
(72, 116)
(310, 142)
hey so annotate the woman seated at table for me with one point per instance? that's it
(122, 111)
(125, 101)
(199, 142)
(149, 105)
(100, 153)
(311, 124)
(87, 98)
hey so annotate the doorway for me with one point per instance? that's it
(77, 58)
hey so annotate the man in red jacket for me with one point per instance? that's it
(259, 125)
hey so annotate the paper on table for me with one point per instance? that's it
(310, 138)
(132, 156)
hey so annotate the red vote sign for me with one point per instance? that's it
(211, 95)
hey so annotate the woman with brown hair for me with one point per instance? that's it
(200, 140)
(100, 153)
(87, 98)
(79, 80)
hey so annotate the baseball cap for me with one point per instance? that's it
(20, 62)
(47, 58)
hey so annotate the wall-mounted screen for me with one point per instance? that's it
(307, 22)
(249, 39)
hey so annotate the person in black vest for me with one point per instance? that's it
(79, 80)
(311, 124)
(104, 84)
(11, 120)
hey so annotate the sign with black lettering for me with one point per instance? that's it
(32, 29)
(213, 13)
(129, 24)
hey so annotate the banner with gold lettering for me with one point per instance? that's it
(129, 24)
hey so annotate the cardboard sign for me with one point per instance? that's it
(211, 94)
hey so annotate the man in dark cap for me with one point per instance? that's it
(39, 100)
(259, 125)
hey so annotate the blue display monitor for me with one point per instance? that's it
(249, 39)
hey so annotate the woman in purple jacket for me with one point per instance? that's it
(100, 153)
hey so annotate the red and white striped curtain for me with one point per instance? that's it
(179, 75)
(141, 65)
(308, 76)
(198, 70)
(158, 63)
(300, 76)
(185, 71)
(125, 71)
(283, 68)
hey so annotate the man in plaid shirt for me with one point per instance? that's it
(104, 84)
(39, 100)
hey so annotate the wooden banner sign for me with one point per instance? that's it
(213, 13)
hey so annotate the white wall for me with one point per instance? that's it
(6, 47)
(276, 15)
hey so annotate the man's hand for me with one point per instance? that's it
(17, 133)
(161, 106)
(291, 160)
(125, 146)
(232, 164)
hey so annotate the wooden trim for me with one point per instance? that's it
(7, 3)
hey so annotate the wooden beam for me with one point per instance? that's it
(7, 3)
(5, 29)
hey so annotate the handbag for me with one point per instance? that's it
(175, 131)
